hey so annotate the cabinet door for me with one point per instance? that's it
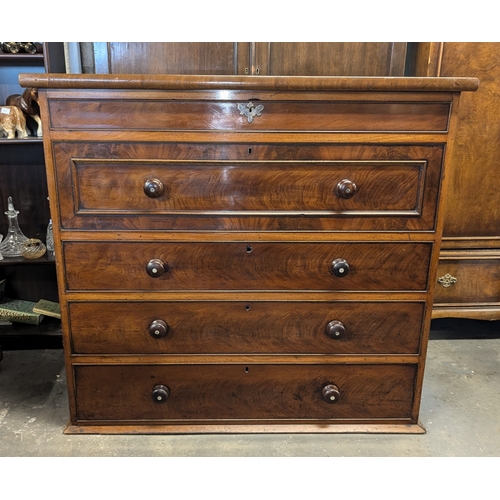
(330, 58)
(240, 58)
(186, 58)
(477, 149)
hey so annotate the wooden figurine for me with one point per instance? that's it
(11, 120)
(28, 103)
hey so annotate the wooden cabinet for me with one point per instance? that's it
(242, 254)
(252, 58)
(22, 176)
(469, 265)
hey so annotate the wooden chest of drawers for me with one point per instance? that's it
(246, 254)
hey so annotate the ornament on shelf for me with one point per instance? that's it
(49, 239)
(32, 249)
(1, 256)
(11, 246)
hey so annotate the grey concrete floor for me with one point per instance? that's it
(460, 410)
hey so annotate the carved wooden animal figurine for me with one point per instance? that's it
(11, 120)
(28, 103)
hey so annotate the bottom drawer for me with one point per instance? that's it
(468, 278)
(180, 393)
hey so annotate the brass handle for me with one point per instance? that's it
(335, 329)
(153, 188)
(340, 268)
(346, 189)
(155, 268)
(447, 280)
(160, 393)
(331, 394)
(158, 329)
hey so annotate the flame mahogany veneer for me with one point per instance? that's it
(243, 254)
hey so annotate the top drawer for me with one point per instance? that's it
(258, 115)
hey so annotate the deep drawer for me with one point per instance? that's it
(127, 113)
(245, 327)
(243, 392)
(383, 188)
(166, 266)
(247, 186)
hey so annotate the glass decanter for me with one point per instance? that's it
(12, 244)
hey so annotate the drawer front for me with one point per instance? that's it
(245, 327)
(166, 266)
(246, 186)
(115, 188)
(243, 392)
(317, 116)
(468, 281)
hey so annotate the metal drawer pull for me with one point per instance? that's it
(447, 280)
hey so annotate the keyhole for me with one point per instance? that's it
(247, 307)
(246, 369)
(249, 151)
(249, 249)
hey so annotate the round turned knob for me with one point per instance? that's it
(345, 189)
(340, 267)
(331, 394)
(158, 328)
(156, 268)
(153, 188)
(160, 393)
(335, 329)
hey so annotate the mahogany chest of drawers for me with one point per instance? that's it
(246, 254)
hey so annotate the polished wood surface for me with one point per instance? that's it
(219, 83)
(397, 188)
(296, 116)
(477, 275)
(243, 392)
(254, 58)
(470, 225)
(251, 265)
(331, 58)
(204, 278)
(194, 58)
(217, 327)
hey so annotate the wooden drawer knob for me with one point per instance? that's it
(156, 268)
(331, 394)
(153, 188)
(345, 189)
(158, 329)
(160, 393)
(335, 329)
(340, 268)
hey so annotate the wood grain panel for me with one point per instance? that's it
(245, 327)
(301, 186)
(243, 392)
(246, 266)
(477, 276)
(477, 148)
(135, 114)
(331, 58)
(108, 187)
(195, 58)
